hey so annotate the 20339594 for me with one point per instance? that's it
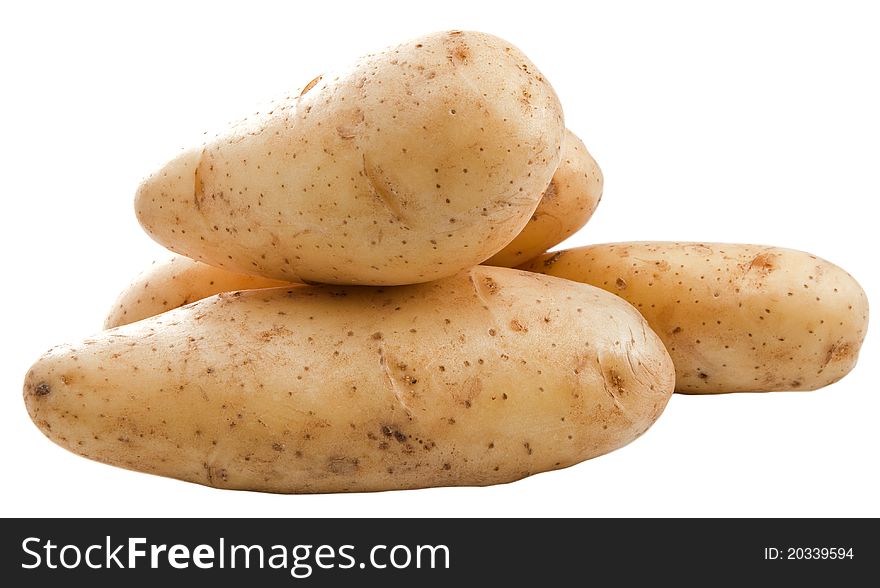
(808, 553)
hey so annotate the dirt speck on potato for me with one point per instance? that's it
(42, 389)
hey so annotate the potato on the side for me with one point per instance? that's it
(485, 377)
(735, 318)
(566, 205)
(170, 283)
(415, 163)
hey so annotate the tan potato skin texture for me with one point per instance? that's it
(482, 378)
(735, 318)
(566, 205)
(576, 189)
(170, 283)
(412, 165)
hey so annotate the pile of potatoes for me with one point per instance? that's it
(361, 300)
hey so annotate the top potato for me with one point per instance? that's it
(413, 164)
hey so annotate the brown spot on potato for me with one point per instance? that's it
(763, 263)
(215, 474)
(616, 382)
(198, 189)
(484, 287)
(350, 125)
(311, 85)
(838, 351)
(342, 465)
(42, 389)
(620, 283)
(345, 132)
(551, 192)
(517, 327)
(459, 53)
(469, 391)
(553, 258)
(276, 331)
(386, 191)
(391, 431)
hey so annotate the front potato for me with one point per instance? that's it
(735, 318)
(481, 378)
(415, 163)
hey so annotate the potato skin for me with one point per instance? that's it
(482, 378)
(735, 318)
(170, 283)
(416, 163)
(566, 205)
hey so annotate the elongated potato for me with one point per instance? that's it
(485, 377)
(735, 318)
(170, 283)
(566, 205)
(414, 164)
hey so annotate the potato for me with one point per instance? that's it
(173, 282)
(735, 318)
(481, 378)
(566, 205)
(413, 164)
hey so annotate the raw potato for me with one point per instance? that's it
(566, 206)
(173, 282)
(482, 378)
(735, 318)
(414, 164)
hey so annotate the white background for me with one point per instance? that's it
(755, 122)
